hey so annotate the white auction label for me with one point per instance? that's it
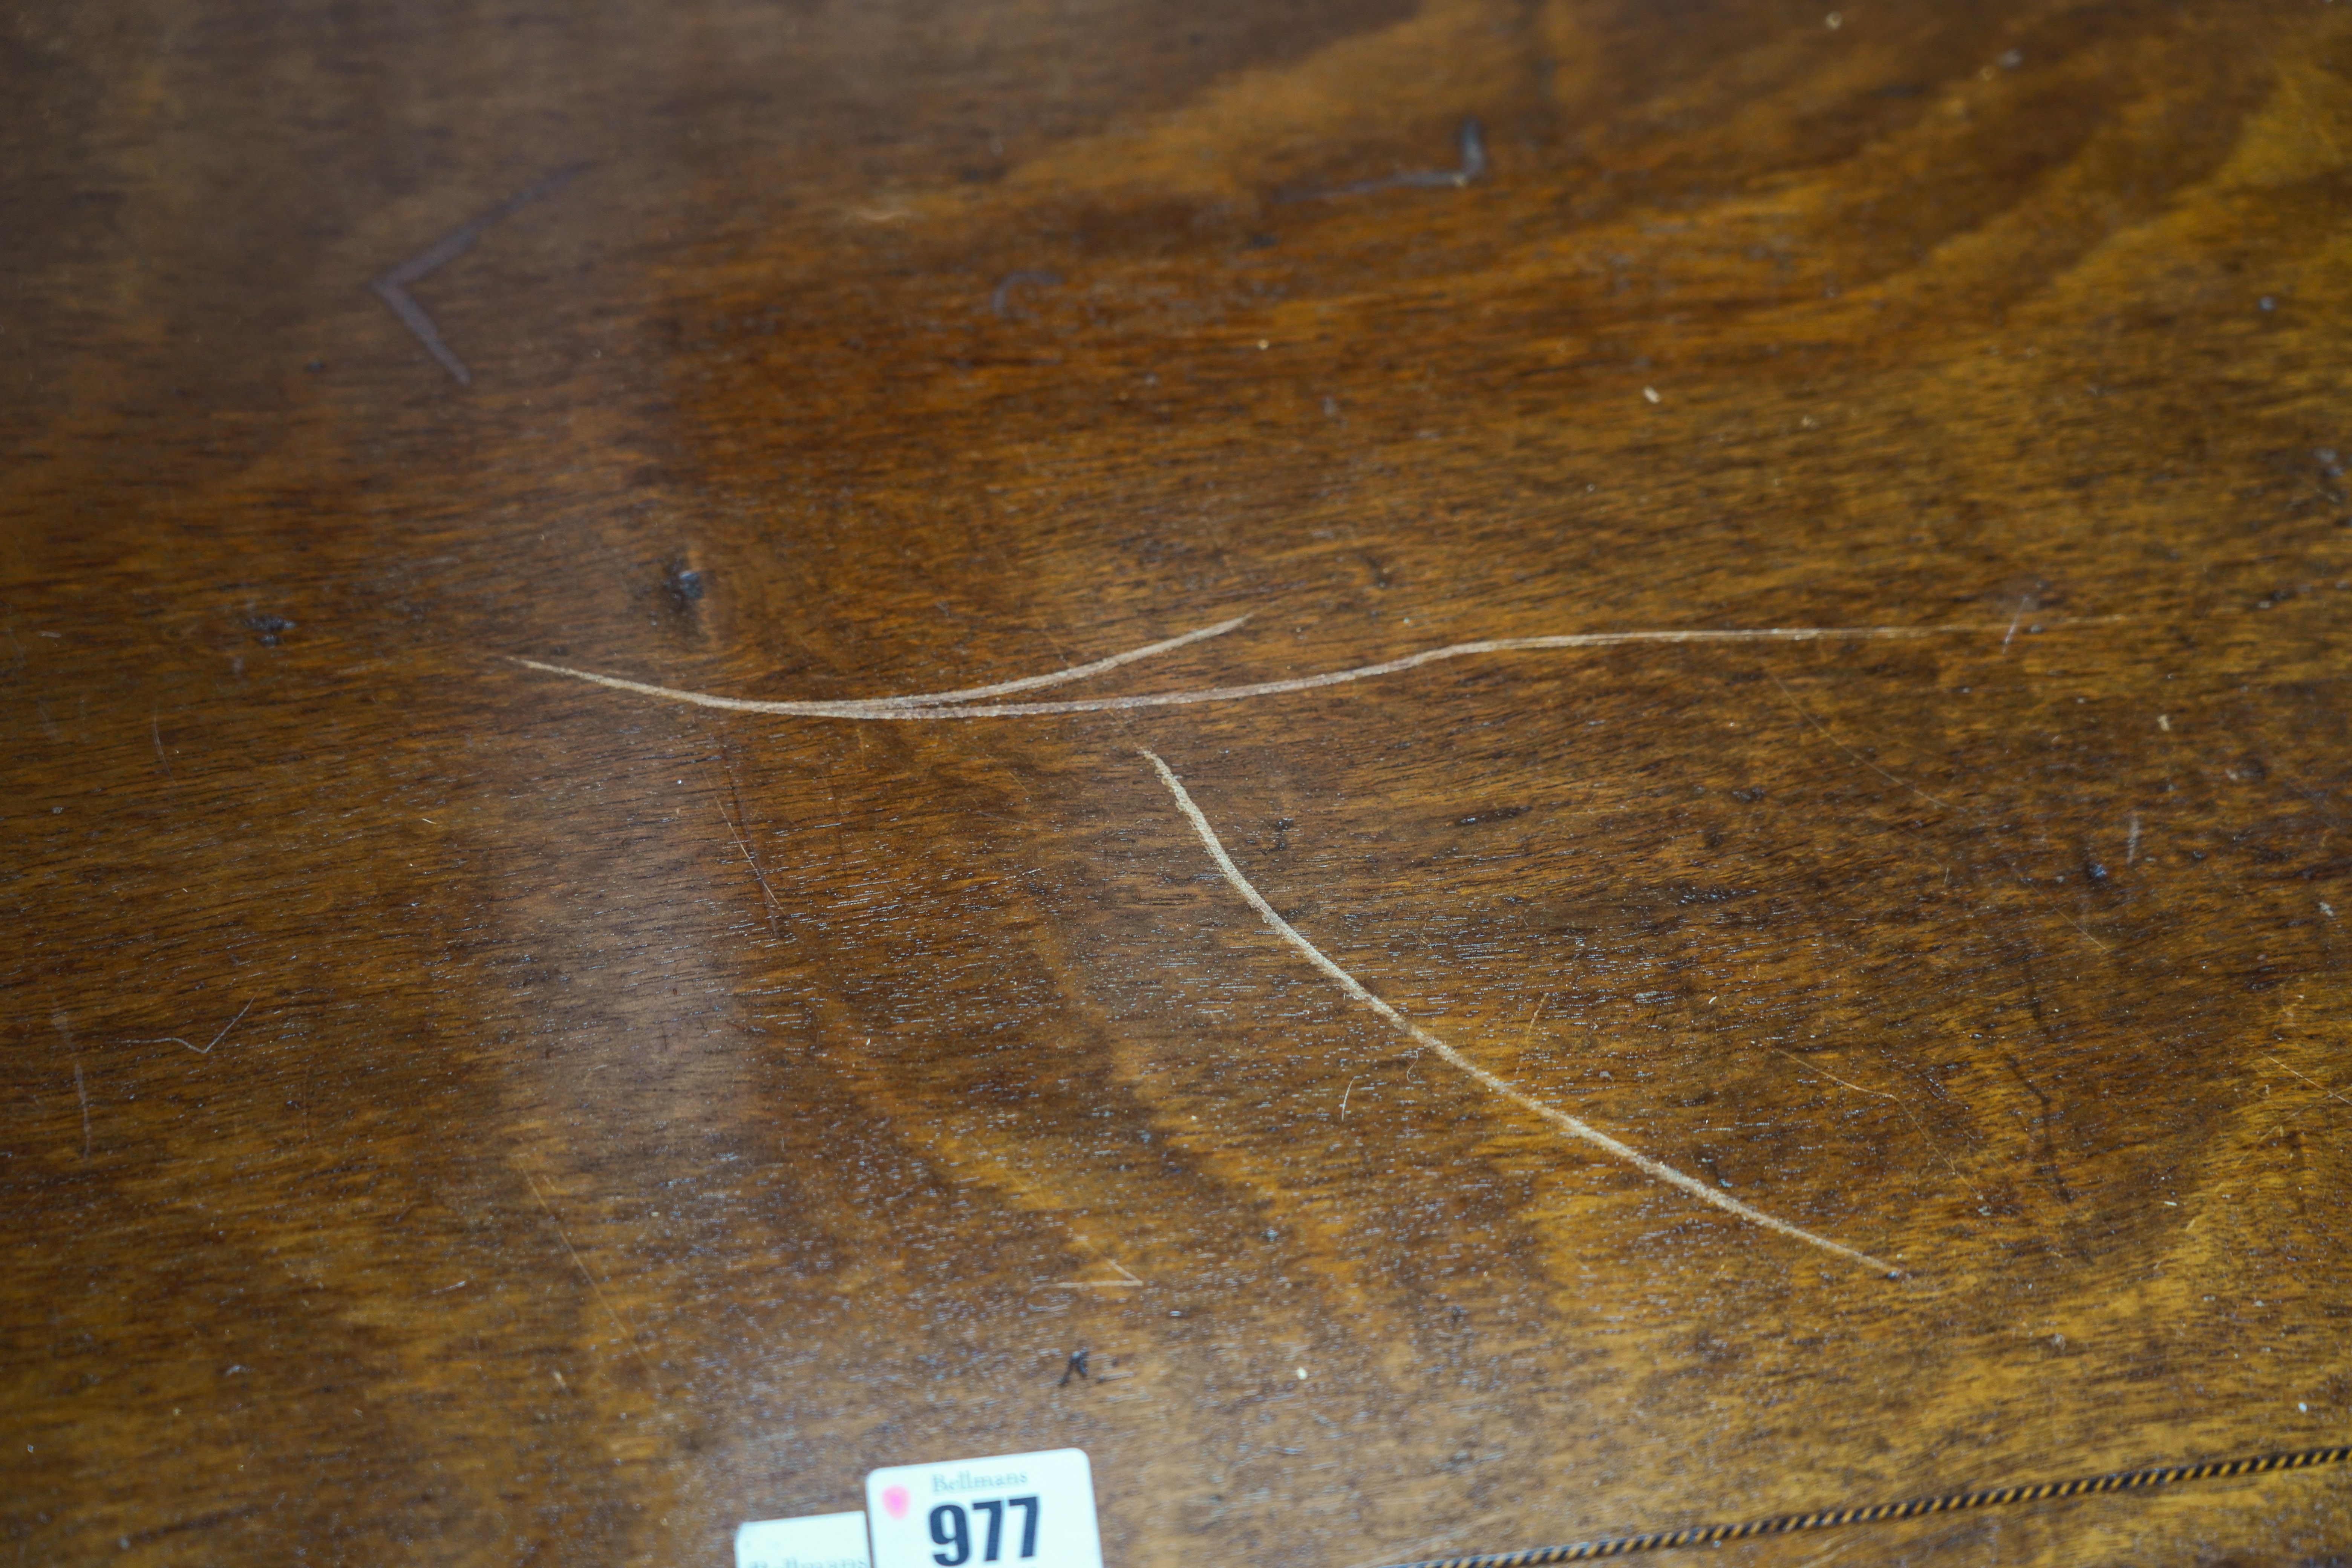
(817, 1541)
(1027, 1509)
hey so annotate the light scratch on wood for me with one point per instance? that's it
(1656, 1170)
(1836, 1551)
(1806, 714)
(918, 706)
(1530, 1033)
(2313, 1081)
(1813, 1067)
(952, 704)
(775, 905)
(628, 1335)
(1901, 1104)
(1125, 1281)
(64, 1027)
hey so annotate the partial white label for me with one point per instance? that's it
(1021, 1510)
(818, 1541)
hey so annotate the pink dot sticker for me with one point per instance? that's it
(894, 1498)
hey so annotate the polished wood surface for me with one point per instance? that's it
(457, 1113)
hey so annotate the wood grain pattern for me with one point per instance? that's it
(634, 1119)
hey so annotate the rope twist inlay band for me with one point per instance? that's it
(1955, 1502)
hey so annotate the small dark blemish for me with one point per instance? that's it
(683, 583)
(1497, 813)
(1077, 1368)
(2094, 872)
(316, 364)
(269, 629)
(1750, 796)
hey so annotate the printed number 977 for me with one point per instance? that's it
(952, 1531)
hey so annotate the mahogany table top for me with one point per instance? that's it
(1736, 908)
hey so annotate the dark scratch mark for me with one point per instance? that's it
(1806, 714)
(200, 1050)
(2049, 1114)
(194, 1521)
(2049, 1167)
(1077, 1368)
(393, 287)
(1001, 301)
(1472, 138)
